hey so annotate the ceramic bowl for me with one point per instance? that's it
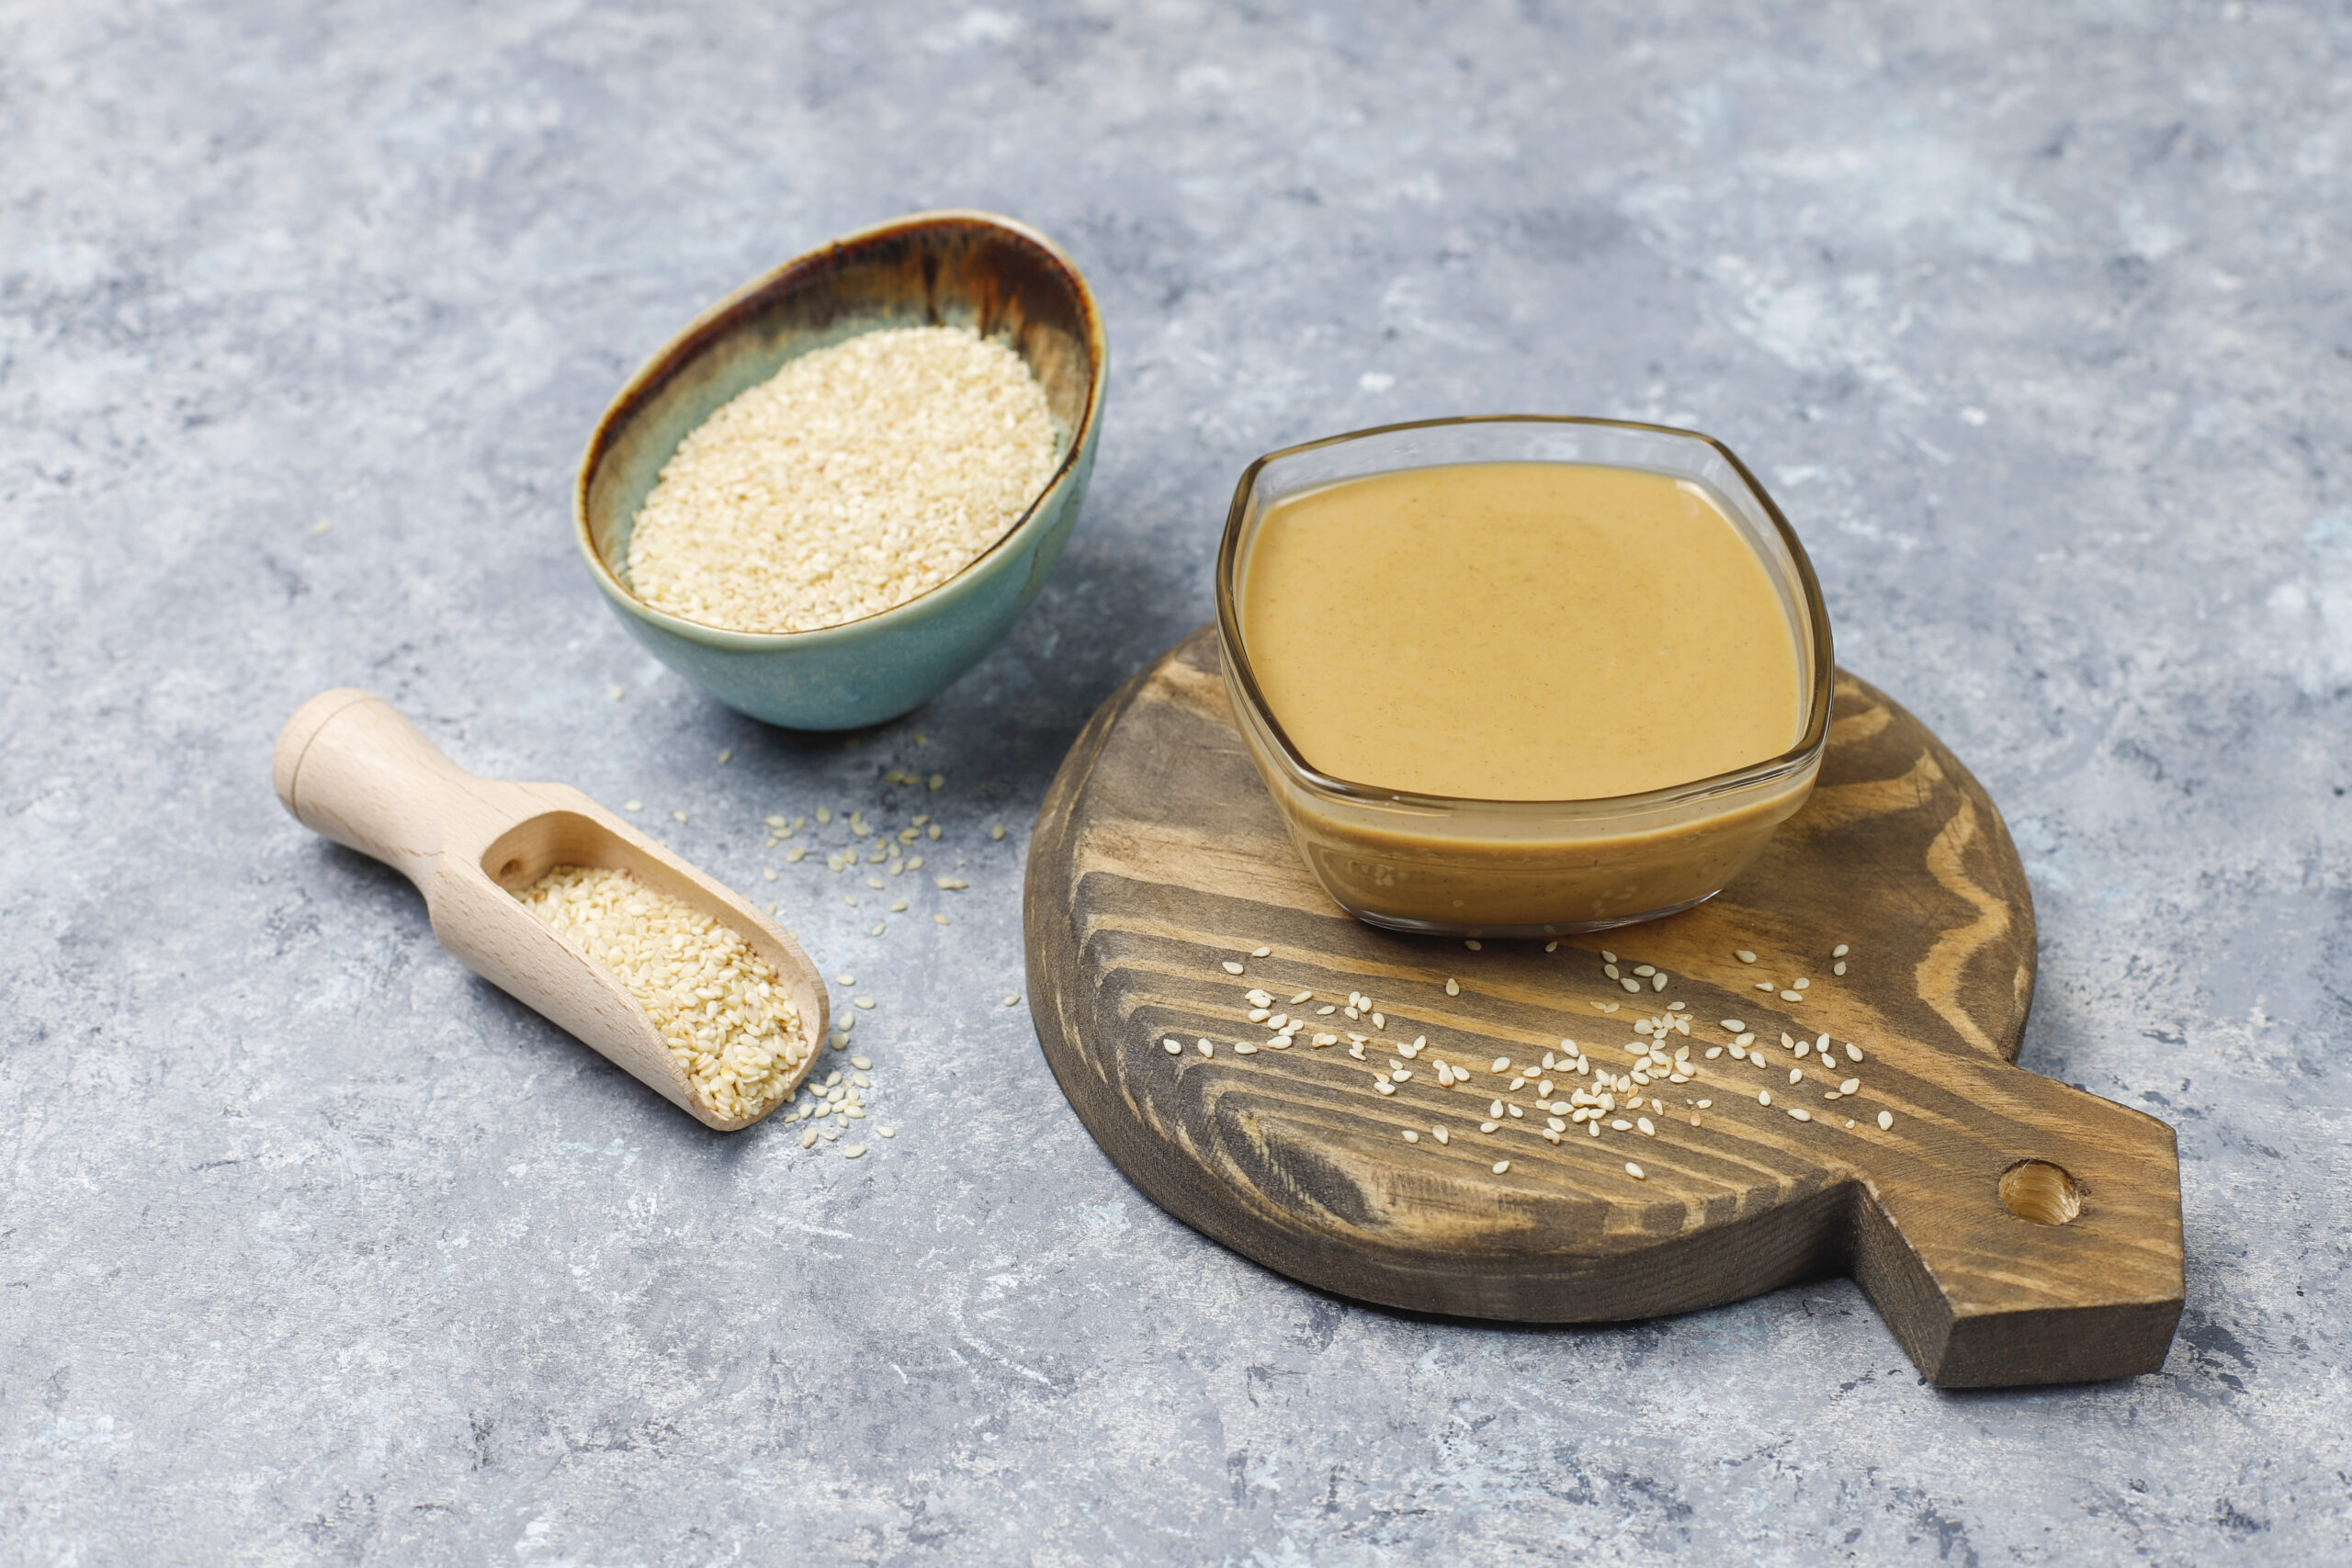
(999, 277)
(1527, 868)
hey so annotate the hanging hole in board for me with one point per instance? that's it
(2044, 1193)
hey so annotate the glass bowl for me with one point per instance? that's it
(1527, 868)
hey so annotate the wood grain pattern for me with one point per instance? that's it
(1159, 855)
(349, 766)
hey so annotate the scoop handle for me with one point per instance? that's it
(350, 766)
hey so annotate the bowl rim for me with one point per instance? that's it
(1806, 753)
(708, 326)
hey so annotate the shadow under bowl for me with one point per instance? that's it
(997, 277)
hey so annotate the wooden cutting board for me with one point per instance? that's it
(1160, 858)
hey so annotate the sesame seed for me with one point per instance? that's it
(1474, 946)
(1647, 1129)
(862, 1064)
(1379, 1021)
(1411, 1136)
(995, 832)
(1849, 1086)
(1204, 1048)
(1793, 995)
(1764, 1096)
(1744, 955)
(1839, 951)
(862, 1002)
(1385, 1087)
(1621, 1126)
(1261, 951)
(853, 1151)
(1635, 1171)
(1853, 1052)
(1173, 1047)
(1439, 1133)
(1733, 1026)
(1838, 967)
(1501, 1166)
(1796, 1075)
(1453, 987)
(1631, 985)
(1885, 1120)
(1488, 1126)
(1799, 1113)
(1550, 947)
(887, 1132)
(632, 806)
(1302, 997)
(1231, 967)
(1013, 1000)
(1245, 1049)
(1800, 983)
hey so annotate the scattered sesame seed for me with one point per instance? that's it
(1302, 997)
(958, 885)
(1744, 955)
(678, 816)
(1501, 1166)
(632, 806)
(1801, 983)
(1453, 987)
(1853, 1052)
(1885, 1120)
(1243, 1048)
(1261, 951)
(1411, 1136)
(1013, 1000)
(1839, 951)
(1231, 967)
(1635, 1171)
(1793, 995)
(1385, 1088)
(1642, 1122)
(1473, 946)
(809, 1138)
(1849, 1086)
(1796, 1075)
(853, 1151)
(1799, 1113)
(887, 1132)
(1550, 947)
(862, 1002)
(1764, 1096)
(862, 1064)
(1204, 1048)
(1174, 1049)
(1631, 985)
(1439, 1133)
(1488, 1126)
(1733, 1025)
(1838, 967)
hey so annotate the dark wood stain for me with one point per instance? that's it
(1159, 854)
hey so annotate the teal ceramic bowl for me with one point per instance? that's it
(1001, 278)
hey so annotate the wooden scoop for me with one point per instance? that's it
(348, 766)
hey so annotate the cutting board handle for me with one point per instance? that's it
(2026, 1231)
(350, 767)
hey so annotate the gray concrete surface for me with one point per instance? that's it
(314, 1248)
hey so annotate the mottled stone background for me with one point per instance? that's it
(314, 1248)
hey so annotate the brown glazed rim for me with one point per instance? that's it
(722, 318)
(1803, 754)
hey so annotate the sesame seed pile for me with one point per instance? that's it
(858, 843)
(1613, 1097)
(853, 480)
(719, 1007)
